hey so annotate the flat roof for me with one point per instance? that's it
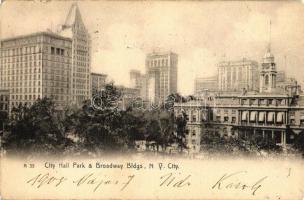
(36, 34)
(161, 53)
(98, 74)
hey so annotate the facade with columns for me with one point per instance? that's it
(276, 118)
(272, 114)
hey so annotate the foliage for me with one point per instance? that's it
(299, 143)
(37, 129)
(42, 128)
(215, 143)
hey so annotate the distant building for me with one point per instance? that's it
(281, 76)
(203, 84)
(98, 82)
(139, 81)
(128, 96)
(274, 115)
(75, 29)
(289, 85)
(35, 66)
(161, 72)
(238, 75)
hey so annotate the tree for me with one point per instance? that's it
(3, 119)
(299, 143)
(36, 129)
(181, 123)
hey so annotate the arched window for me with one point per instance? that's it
(266, 80)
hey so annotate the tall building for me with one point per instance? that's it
(139, 81)
(98, 82)
(81, 55)
(35, 66)
(135, 78)
(203, 84)
(238, 75)
(161, 69)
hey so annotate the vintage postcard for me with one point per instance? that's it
(151, 100)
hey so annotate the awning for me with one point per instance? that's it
(244, 116)
(261, 116)
(253, 116)
(280, 117)
(270, 117)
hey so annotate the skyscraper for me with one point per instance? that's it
(98, 82)
(161, 69)
(236, 75)
(81, 55)
(35, 66)
(139, 81)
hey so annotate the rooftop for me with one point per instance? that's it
(98, 74)
(48, 33)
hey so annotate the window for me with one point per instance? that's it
(266, 80)
(218, 118)
(233, 119)
(226, 119)
(194, 118)
(193, 133)
(270, 101)
(302, 121)
(52, 50)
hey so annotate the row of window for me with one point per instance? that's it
(57, 51)
(21, 50)
(21, 58)
(263, 102)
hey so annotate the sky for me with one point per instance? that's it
(201, 33)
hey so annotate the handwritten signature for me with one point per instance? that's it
(231, 181)
(90, 179)
(170, 180)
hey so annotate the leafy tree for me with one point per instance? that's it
(36, 129)
(3, 119)
(181, 122)
(299, 143)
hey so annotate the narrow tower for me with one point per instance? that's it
(268, 72)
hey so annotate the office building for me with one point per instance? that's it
(98, 82)
(139, 81)
(35, 66)
(238, 75)
(161, 71)
(201, 85)
(75, 29)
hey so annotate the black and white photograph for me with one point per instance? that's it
(151, 99)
